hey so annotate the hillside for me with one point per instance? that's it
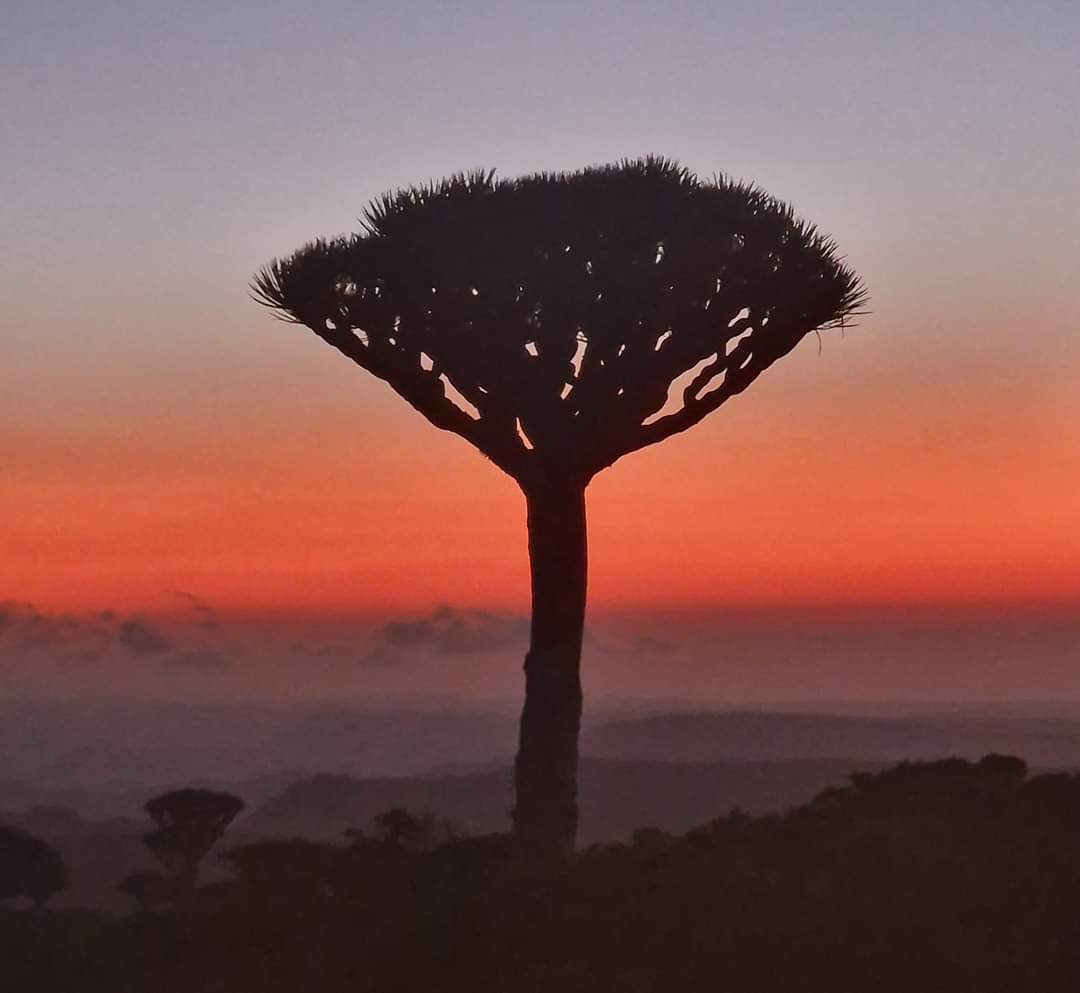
(1048, 742)
(615, 796)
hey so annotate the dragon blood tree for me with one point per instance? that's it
(558, 322)
(189, 823)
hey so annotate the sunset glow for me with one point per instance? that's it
(159, 431)
(835, 481)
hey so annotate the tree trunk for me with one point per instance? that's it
(546, 814)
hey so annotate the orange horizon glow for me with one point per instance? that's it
(877, 490)
(160, 432)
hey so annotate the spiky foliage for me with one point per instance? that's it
(547, 319)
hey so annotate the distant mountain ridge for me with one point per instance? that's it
(1048, 742)
(134, 747)
(101, 758)
(616, 797)
(106, 804)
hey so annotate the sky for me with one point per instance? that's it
(162, 438)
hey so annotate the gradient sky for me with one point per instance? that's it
(159, 432)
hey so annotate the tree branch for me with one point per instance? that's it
(424, 391)
(740, 368)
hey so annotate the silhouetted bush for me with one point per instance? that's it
(148, 889)
(954, 876)
(29, 867)
(398, 830)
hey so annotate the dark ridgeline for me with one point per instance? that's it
(547, 320)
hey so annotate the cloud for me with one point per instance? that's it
(142, 637)
(647, 645)
(12, 612)
(27, 630)
(643, 645)
(452, 631)
(381, 657)
(205, 615)
(31, 636)
(203, 659)
(405, 633)
(333, 651)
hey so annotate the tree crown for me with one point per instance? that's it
(552, 319)
(29, 867)
(194, 808)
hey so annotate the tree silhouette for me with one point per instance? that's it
(558, 322)
(396, 830)
(29, 867)
(148, 889)
(189, 822)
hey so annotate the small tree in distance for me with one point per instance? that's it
(396, 830)
(558, 322)
(189, 822)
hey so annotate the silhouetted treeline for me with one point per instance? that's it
(954, 876)
(30, 869)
